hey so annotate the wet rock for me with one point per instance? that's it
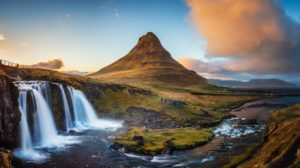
(5, 158)
(249, 122)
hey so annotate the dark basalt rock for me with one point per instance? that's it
(9, 113)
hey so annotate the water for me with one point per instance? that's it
(45, 126)
(85, 115)
(231, 140)
(45, 141)
(69, 123)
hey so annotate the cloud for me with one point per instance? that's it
(256, 35)
(2, 38)
(53, 64)
(213, 69)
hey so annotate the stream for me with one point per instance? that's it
(91, 147)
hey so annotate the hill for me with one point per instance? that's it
(253, 83)
(149, 63)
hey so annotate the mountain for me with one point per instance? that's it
(148, 62)
(253, 83)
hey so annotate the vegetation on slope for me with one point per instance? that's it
(148, 141)
(155, 107)
(281, 145)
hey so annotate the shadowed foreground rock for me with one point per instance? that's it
(5, 158)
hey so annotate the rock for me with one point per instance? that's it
(9, 113)
(5, 158)
(249, 122)
(139, 139)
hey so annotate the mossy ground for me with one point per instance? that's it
(156, 141)
(204, 105)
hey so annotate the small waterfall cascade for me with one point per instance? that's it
(84, 113)
(69, 123)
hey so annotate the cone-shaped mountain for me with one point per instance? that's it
(148, 62)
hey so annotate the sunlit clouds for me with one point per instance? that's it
(257, 35)
(53, 64)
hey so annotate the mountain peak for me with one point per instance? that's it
(148, 62)
(148, 43)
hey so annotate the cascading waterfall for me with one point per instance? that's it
(45, 132)
(84, 113)
(69, 123)
(45, 123)
(44, 128)
(26, 140)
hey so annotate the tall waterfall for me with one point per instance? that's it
(26, 140)
(69, 123)
(46, 128)
(45, 133)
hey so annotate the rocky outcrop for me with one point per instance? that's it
(138, 116)
(9, 113)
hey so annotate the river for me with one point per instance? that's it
(232, 137)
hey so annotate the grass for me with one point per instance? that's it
(281, 144)
(207, 107)
(156, 141)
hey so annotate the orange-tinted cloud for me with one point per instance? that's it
(53, 64)
(257, 34)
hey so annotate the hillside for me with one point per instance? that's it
(280, 147)
(253, 83)
(149, 63)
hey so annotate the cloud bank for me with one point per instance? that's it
(53, 64)
(256, 35)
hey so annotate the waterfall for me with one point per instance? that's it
(26, 140)
(45, 123)
(45, 133)
(69, 124)
(85, 115)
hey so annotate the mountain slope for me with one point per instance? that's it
(148, 62)
(253, 83)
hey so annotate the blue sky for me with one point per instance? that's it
(88, 35)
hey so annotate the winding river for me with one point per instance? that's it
(92, 147)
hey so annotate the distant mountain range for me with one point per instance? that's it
(149, 63)
(253, 83)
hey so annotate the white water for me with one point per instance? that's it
(69, 123)
(44, 128)
(85, 115)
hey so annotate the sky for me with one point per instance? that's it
(242, 40)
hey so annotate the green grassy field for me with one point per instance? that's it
(154, 142)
